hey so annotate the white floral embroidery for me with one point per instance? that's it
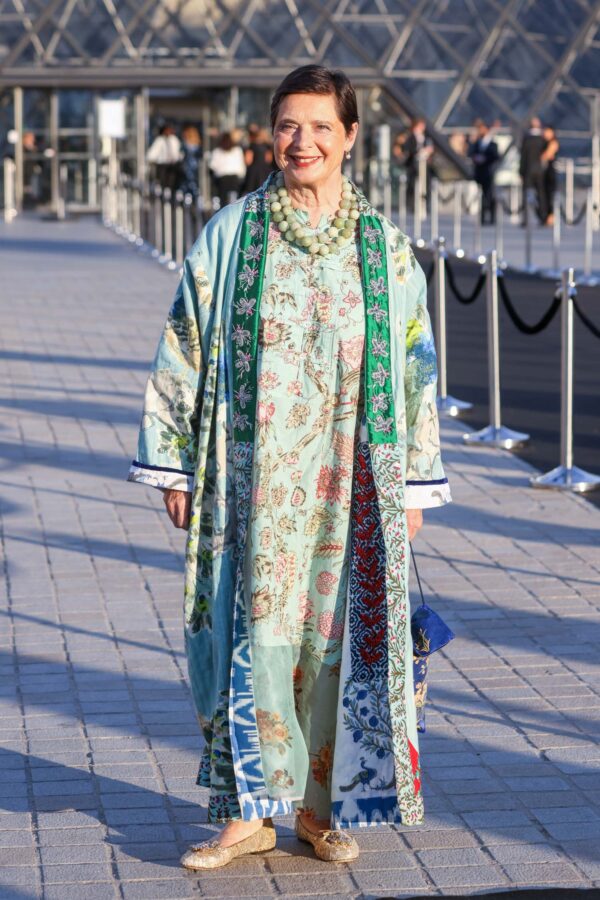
(384, 425)
(380, 402)
(373, 257)
(240, 336)
(245, 306)
(254, 251)
(380, 375)
(371, 234)
(378, 286)
(256, 229)
(377, 312)
(243, 361)
(379, 346)
(243, 395)
(241, 421)
(248, 276)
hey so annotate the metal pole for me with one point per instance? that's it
(569, 190)
(157, 231)
(19, 161)
(477, 222)
(54, 159)
(10, 204)
(567, 477)
(589, 233)
(417, 208)
(596, 159)
(514, 193)
(556, 233)
(500, 231)
(495, 434)
(528, 236)
(179, 228)
(457, 237)
(92, 182)
(435, 210)
(167, 254)
(423, 185)
(63, 178)
(446, 404)
(402, 211)
(136, 214)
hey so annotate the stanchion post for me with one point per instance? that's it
(188, 240)
(477, 222)
(500, 231)
(402, 211)
(569, 190)
(179, 239)
(556, 233)
(423, 185)
(589, 233)
(495, 434)
(435, 210)
(527, 212)
(514, 197)
(61, 200)
(417, 207)
(446, 404)
(136, 213)
(10, 195)
(167, 254)
(458, 199)
(566, 476)
(157, 229)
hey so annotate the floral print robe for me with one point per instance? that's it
(297, 616)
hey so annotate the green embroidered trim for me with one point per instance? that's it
(245, 316)
(379, 399)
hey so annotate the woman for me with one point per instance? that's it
(258, 157)
(301, 472)
(228, 168)
(549, 155)
(192, 154)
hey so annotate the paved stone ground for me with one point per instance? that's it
(98, 740)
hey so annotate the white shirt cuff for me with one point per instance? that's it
(157, 477)
(427, 494)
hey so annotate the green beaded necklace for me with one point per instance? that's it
(319, 243)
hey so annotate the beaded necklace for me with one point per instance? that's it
(318, 243)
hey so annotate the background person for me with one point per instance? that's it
(228, 168)
(165, 155)
(191, 145)
(258, 157)
(483, 151)
(417, 146)
(531, 171)
(310, 471)
(549, 155)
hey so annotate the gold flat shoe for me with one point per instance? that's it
(330, 846)
(211, 855)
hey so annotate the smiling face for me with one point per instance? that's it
(309, 140)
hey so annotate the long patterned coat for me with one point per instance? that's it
(197, 434)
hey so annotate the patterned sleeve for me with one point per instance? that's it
(426, 484)
(167, 444)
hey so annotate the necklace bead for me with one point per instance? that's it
(338, 232)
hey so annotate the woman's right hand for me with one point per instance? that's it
(179, 505)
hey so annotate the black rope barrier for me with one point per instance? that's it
(586, 321)
(518, 322)
(576, 219)
(508, 209)
(464, 298)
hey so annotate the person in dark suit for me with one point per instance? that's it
(483, 150)
(416, 146)
(531, 170)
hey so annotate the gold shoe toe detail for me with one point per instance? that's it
(212, 855)
(330, 846)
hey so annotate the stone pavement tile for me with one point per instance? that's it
(468, 876)
(74, 853)
(148, 871)
(68, 819)
(169, 889)
(19, 838)
(74, 892)
(152, 852)
(514, 834)
(18, 856)
(566, 814)
(585, 855)
(439, 840)
(79, 873)
(573, 831)
(453, 856)
(496, 818)
(15, 875)
(508, 854)
(543, 874)
(387, 882)
(57, 837)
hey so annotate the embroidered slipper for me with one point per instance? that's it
(330, 846)
(211, 855)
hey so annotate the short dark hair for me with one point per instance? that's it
(319, 80)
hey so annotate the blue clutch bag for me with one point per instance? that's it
(429, 633)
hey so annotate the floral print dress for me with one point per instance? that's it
(310, 350)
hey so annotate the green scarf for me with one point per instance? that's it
(379, 401)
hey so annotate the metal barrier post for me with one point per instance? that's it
(418, 208)
(457, 236)
(477, 222)
(179, 241)
(61, 200)
(495, 433)
(167, 254)
(136, 214)
(556, 233)
(446, 404)
(402, 211)
(514, 196)
(528, 212)
(435, 210)
(10, 195)
(188, 240)
(567, 477)
(589, 233)
(500, 232)
(569, 190)
(157, 229)
(423, 185)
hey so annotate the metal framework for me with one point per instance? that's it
(451, 60)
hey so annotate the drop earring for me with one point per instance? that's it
(347, 154)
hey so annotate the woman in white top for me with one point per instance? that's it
(228, 168)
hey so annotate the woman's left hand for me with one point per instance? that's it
(414, 521)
